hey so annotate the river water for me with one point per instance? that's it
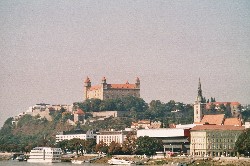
(24, 163)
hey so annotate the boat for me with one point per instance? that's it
(77, 162)
(21, 158)
(45, 155)
(115, 161)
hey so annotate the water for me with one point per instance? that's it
(24, 163)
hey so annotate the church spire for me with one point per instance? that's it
(199, 88)
(199, 97)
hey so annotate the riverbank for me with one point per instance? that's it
(139, 160)
(5, 156)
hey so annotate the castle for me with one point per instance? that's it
(110, 91)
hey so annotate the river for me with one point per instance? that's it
(24, 163)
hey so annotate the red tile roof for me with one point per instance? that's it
(87, 80)
(213, 119)
(122, 86)
(79, 112)
(95, 87)
(233, 121)
(216, 127)
(114, 86)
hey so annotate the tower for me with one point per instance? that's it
(137, 82)
(198, 105)
(87, 85)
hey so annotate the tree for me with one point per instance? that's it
(101, 147)
(89, 145)
(242, 145)
(114, 148)
(148, 146)
(129, 145)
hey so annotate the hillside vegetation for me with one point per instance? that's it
(36, 131)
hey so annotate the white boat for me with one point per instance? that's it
(115, 161)
(45, 155)
(77, 161)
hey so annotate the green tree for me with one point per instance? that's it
(242, 145)
(148, 146)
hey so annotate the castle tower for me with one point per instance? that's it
(137, 82)
(198, 105)
(87, 85)
(104, 83)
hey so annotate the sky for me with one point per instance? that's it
(48, 48)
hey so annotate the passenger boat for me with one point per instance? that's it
(115, 161)
(45, 155)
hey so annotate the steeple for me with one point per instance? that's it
(199, 88)
(198, 105)
(199, 97)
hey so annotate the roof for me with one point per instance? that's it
(122, 86)
(114, 86)
(79, 111)
(213, 119)
(95, 87)
(77, 131)
(233, 121)
(144, 122)
(216, 127)
(87, 80)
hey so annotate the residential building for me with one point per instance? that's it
(110, 91)
(68, 135)
(214, 140)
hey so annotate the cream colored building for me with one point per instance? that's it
(68, 135)
(110, 91)
(112, 136)
(214, 140)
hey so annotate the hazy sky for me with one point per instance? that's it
(48, 48)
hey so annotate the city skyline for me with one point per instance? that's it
(49, 48)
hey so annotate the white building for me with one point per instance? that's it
(68, 135)
(112, 136)
(174, 139)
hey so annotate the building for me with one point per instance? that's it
(107, 114)
(233, 107)
(146, 124)
(79, 116)
(113, 136)
(214, 140)
(174, 139)
(199, 105)
(44, 110)
(68, 135)
(219, 119)
(110, 91)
